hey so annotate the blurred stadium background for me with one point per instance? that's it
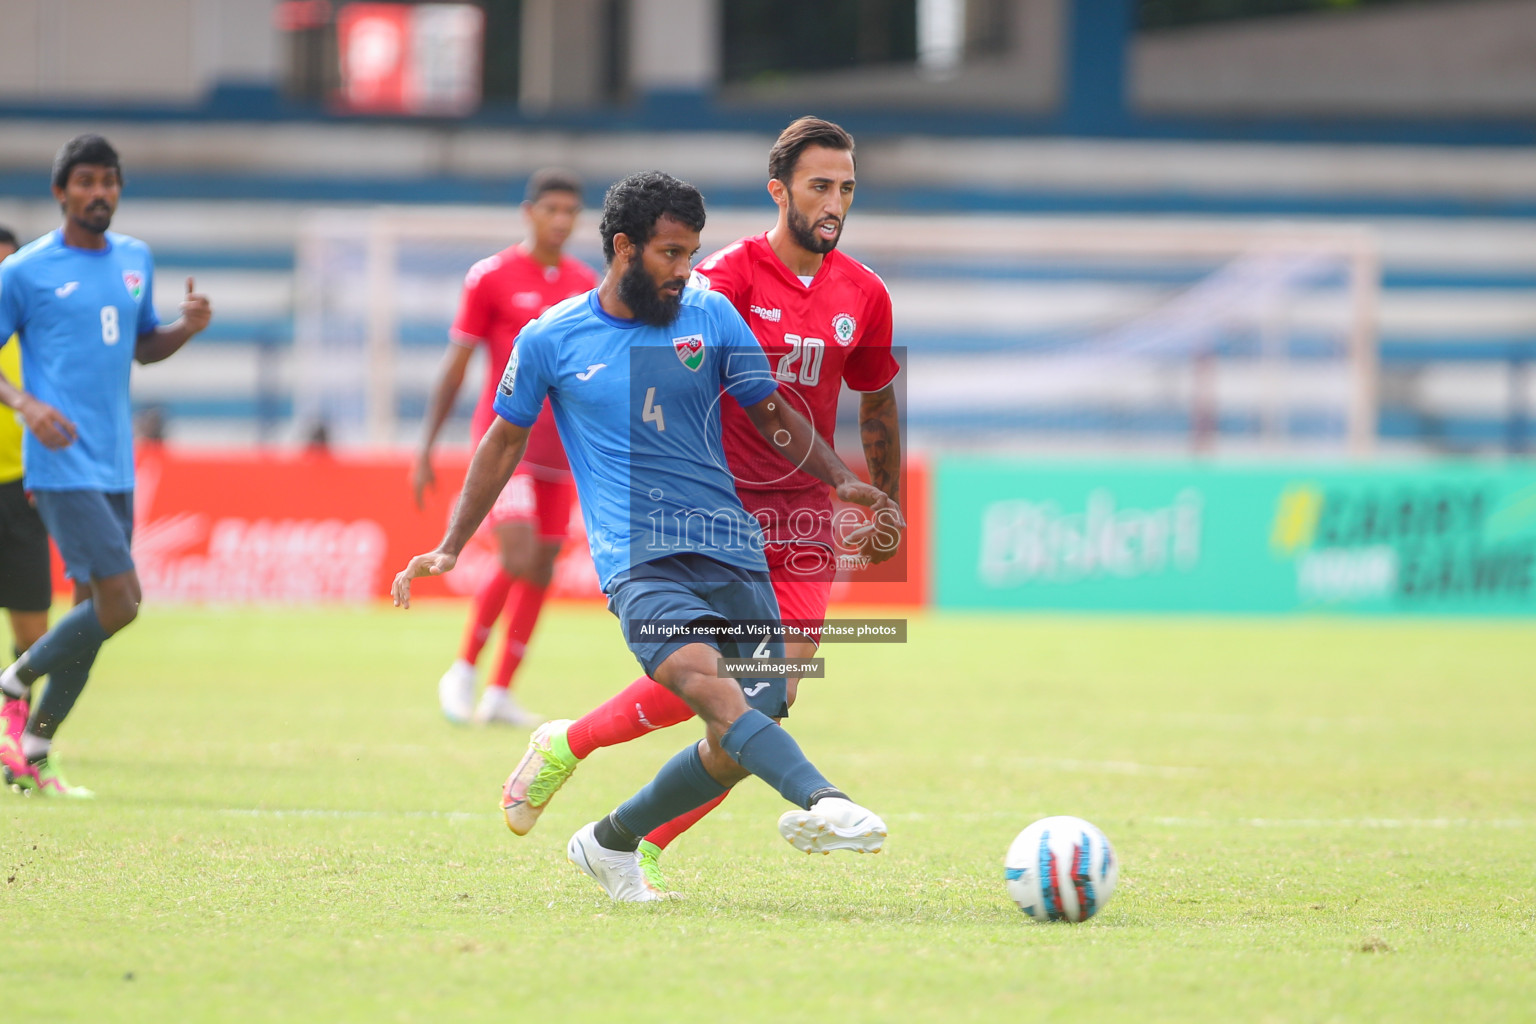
(1205, 304)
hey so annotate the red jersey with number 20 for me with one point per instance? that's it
(817, 336)
(502, 293)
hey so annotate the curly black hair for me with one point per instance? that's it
(634, 205)
(84, 149)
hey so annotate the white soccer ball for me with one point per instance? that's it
(1061, 869)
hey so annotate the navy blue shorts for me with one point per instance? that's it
(26, 583)
(696, 595)
(93, 530)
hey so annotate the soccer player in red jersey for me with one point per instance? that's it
(824, 320)
(501, 294)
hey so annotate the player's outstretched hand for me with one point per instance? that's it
(879, 539)
(196, 311)
(433, 563)
(47, 424)
(858, 492)
(422, 479)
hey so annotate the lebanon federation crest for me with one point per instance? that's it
(843, 327)
(690, 349)
(134, 282)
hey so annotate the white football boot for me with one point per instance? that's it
(833, 823)
(456, 692)
(617, 871)
(498, 707)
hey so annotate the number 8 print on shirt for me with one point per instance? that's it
(79, 314)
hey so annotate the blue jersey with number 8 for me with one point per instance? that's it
(79, 314)
(638, 409)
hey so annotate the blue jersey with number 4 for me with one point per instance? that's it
(79, 314)
(638, 409)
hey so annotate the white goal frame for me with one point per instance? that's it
(382, 231)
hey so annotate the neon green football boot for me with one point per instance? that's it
(45, 778)
(650, 867)
(545, 766)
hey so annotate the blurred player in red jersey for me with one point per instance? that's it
(501, 294)
(823, 319)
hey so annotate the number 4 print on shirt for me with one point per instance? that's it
(652, 412)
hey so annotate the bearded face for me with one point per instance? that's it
(652, 302)
(820, 236)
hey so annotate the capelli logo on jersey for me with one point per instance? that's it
(772, 315)
(528, 300)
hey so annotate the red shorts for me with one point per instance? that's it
(802, 594)
(530, 498)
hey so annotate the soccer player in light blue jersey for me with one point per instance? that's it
(635, 372)
(81, 301)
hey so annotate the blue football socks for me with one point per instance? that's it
(78, 633)
(58, 699)
(762, 747)
(680, 786)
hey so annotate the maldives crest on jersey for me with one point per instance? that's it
(690, 349)
(843, 327)
(134, 282)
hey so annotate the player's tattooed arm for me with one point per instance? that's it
(880, 433)
(490, 469)
(166, 340)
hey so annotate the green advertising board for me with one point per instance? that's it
(1444, 539)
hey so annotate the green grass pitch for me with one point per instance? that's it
(1316, 820)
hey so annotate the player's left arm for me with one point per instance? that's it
(792, 435)
(880, 434)
(746, 377)
(871, 369)
(161, 341)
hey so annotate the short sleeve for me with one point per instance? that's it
(718, 273)
(12, 301)
(527, 378)
(871, 366)
(475, 312)
(148, 318)
(744, 371)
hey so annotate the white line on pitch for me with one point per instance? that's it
(1345, 822)
(321, 812)
(1339, 823)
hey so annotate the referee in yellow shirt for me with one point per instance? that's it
(26, 585)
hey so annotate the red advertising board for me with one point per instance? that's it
(375, 42)
(250, 527)
(410, 58)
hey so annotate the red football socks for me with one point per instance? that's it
(664, 834)
(640, 707)
(489, 600)
(523, 607)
